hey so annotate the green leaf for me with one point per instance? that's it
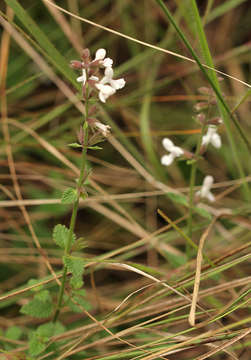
(69, 196)
(76, 266)
(202, 212)
(13, 333)
(40, 307)
(73, 305)
(75, 145)
(39, 339)
(32, 282)
(177, 198)
(77, 299)
(79, 244)
(36, 345)
(60, 235)
(95, 148)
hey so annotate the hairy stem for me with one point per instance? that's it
(74, 209)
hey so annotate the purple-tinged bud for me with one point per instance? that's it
(76, 64)
(215, 121)
(86, 54)
(201, 118)
(200, 106)
(205, 90)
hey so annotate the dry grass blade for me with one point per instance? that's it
(199, 259)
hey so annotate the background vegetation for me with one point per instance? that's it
(139, 263)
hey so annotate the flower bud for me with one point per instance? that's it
(76, 64)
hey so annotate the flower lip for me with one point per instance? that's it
(205, 192)
(212, 137)
(82, 78)
(100, 54)
(175, 151)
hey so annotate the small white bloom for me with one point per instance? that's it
(212, 137)
(205, 192)
(104, 129)
(82, 78)
(105, 91)
(100, 55)
(175, 151)
(108, 79)
(107, 62)
(94, 78)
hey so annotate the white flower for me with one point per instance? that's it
(212, 137)
(108, 79)
(105, 91)
(175, 151)
(205, 192)
(82, 78)
(104, 129)
(100, 55)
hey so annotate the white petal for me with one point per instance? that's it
(107, 62)
(168, 144)
(210, 197)
(167, 159)
(82, 78)
(94, 78)
(102, 97)
(100, 54)
(216, 141)
(208, 181)
(205, 190)
(205, 140)
(118, 84)
(105, 129)
(106, 89)
(109, 73)
(177, 151)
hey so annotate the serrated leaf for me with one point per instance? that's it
(40, 307)
(46, 330)
(69, 196)
(79, 244)
(73, 305)
(202, 212)
(60, 235)
(76, 266)
(177, 198)
(75, 145)
(32, 282)
(36, 346)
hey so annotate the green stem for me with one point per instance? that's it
(74, 209)
(191, 190)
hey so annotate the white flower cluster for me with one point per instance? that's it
(205, 192)
(174, 151)
(212, 137)
(107, 86)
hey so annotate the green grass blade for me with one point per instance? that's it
(58, 61)
(212, 79)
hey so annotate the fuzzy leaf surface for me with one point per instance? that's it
(60, 235)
